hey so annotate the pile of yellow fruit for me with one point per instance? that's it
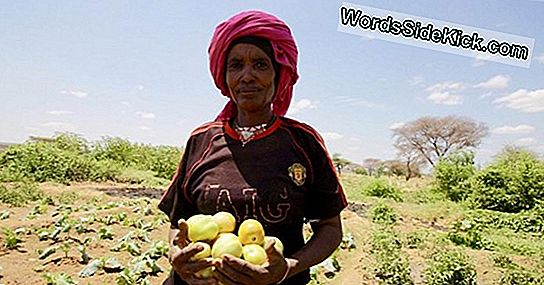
(215, 235)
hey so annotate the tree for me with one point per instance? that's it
(371, 165)
(339, 162)
(435, 137)
(411, 157)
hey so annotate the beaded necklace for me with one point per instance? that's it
(247, 134)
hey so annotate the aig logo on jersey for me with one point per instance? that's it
(297, 172)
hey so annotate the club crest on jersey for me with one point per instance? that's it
(297, 172)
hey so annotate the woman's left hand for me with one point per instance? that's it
(232, 271)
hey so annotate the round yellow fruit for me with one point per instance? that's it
(225, 221)
(227, 243)
(201, 228)
(251, 232)
(254, 253)
(205, 252)
(278, 245)
(205, 273)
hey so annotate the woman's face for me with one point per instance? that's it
(250, 78)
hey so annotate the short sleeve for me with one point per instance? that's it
(325, 197)
(173, 202)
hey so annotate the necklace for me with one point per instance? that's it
(247, 134)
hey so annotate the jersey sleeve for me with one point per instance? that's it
(325, 197)
(174, 202)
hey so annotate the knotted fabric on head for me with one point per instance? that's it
(262, 25)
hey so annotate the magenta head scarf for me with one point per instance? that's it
(262, 25)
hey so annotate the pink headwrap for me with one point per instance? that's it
(263, 25)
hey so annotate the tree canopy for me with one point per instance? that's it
(434, 137)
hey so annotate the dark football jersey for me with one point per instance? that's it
(282, 178)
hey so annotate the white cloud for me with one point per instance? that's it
(480, 59)
(445, 93)
(540, 58)
(146, 115)
(79, 94)
(144, 128)
(358, 102)
(126, 103)
(485, 95)
(301, 105)
(140, 87)
(519, 129)
(396, 125)
(416, 80)
(332, 136)
(496, 82)
(524, 101)
(59, 112)
(525, 142)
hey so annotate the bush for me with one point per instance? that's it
(451, 174)
(468, 233)
(392, 267)
(379, 187)
(450, 267)
(519, 276)
(67, 158)
(515, 182)
(20, 193)
(383, 214)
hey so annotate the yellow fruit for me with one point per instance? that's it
(225, 221)
(251, 232)
(205, 273)
(227, 243)
(254, 253)
(201, 228)
(278, 245)
(205, 252)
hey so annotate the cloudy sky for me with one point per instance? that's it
(139, 70)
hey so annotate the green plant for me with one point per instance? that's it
(513, 183)
(392, 267)
(11, 239)
(379, 187)
(451, 174)
(19, 194)
(382, 214)
(450, 267)
(468, 233)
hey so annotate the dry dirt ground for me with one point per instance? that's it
(22, 266)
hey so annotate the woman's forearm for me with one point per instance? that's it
(326, 238)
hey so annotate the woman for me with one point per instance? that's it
(255, 163)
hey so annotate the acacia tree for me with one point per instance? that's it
(435, 137)
(339, 162)
(371, 165)
(412, 159)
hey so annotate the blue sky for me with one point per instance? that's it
(139, 70)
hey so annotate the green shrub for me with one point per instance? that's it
(379, 187)
(469, 233)
(450, 267)
(392, 267)
(519, 276)
(513, 183)
(451, 174)
(382, 214)
(20, 193)
(68, 157)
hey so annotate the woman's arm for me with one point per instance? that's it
(326, 238)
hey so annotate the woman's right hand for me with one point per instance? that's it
(180, 256)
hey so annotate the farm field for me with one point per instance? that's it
(114, 233)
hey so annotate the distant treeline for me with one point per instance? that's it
(67, 157)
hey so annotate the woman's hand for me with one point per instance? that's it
(180, 255)
(232, 271)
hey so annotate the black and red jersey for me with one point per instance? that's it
(282, 178)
